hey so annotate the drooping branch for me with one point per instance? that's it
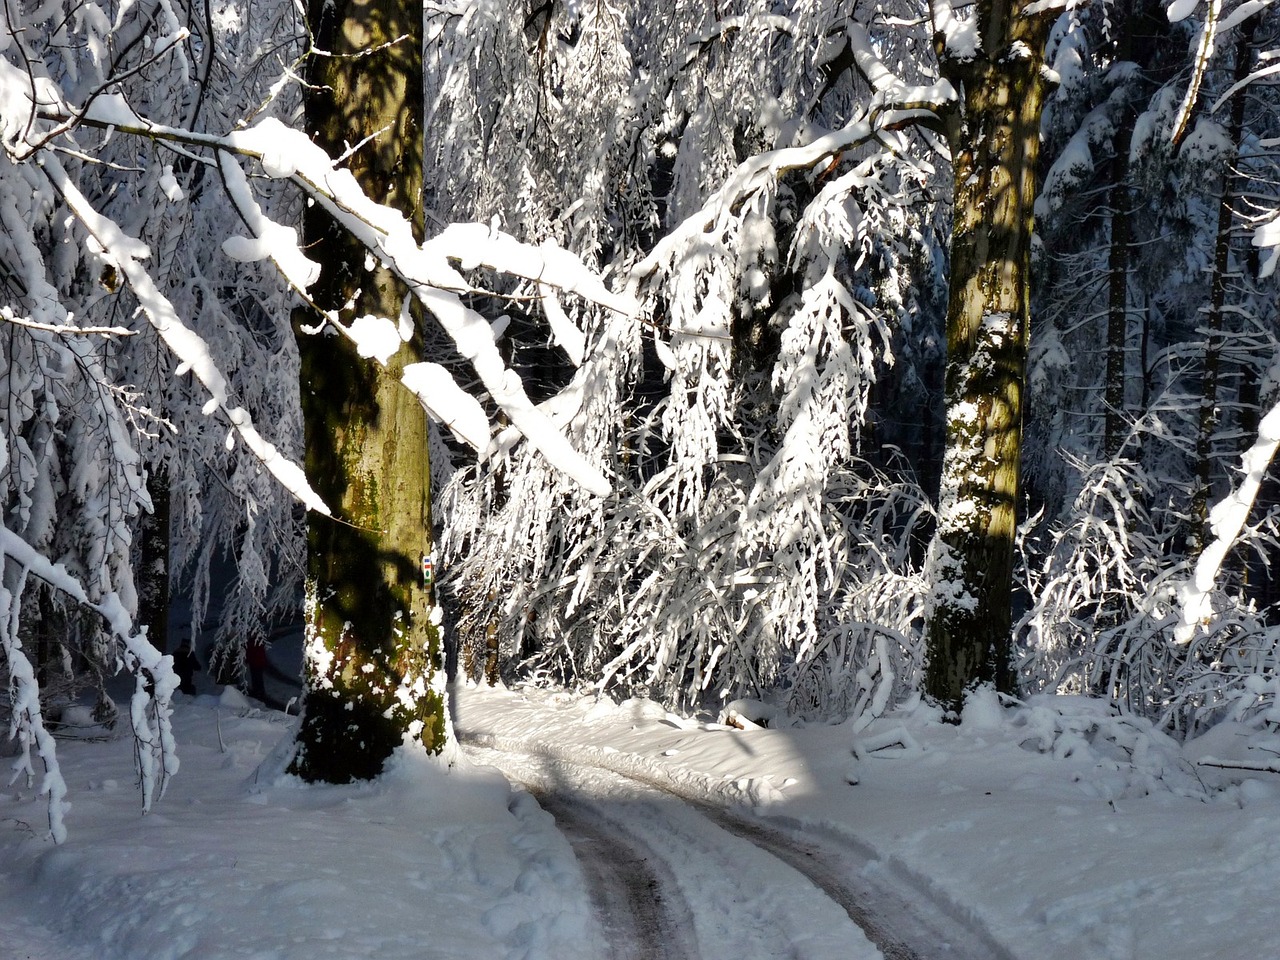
(425, 268)
(125, 252)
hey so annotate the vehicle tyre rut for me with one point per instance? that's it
(903, 920)
(633, 894)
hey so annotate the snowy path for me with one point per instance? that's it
(893, 913)
(740, 901)
(635, 898)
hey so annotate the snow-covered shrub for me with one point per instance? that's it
(1139, 757)
(1088, 582)
(1106, 614)
(778, 241)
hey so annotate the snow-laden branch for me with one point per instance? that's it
(960, 38)
(757, 172)
(1215, 24)
(1180, 10)
(425, 269)
(161, 48)
(1226, 520)
(62, 329)
(895, 104)
(475, 245)
(150, 707)
(1260, 74)
(1268, 235)
(124, 253)
(893, 95)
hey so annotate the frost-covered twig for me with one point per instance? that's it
(63, 329)
(1267, 766)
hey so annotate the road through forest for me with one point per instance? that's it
(677, 878)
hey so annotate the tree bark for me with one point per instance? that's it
(1118, 296)
(372, 650)
(1143, 36)
(994, 136)
(1202, 482)
(154, 557)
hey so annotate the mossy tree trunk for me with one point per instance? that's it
(372, 650)
(994, 135)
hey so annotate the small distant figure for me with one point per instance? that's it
(186, 666)
(256, 659)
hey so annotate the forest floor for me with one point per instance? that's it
(1052, 830)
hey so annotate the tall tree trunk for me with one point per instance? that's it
(1207, 424)
(1118, 295)
(1142, 36)
(372, 650)
(153, 566)
(994, 136)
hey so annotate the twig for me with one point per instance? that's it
(1273, 767)
(64, 328)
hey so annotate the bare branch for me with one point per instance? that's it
(64, 329)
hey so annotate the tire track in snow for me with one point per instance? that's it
(887, 909)
(637, 901)
(721, 897)
(899, 915)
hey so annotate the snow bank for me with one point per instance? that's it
(427, 861)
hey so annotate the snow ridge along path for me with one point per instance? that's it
(897, 915)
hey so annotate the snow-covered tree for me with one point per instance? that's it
(1119, 510)
(731, 170)
(119, 206)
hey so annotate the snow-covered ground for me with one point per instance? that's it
(1055, 829)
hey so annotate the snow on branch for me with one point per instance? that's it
(892, 94)
(124, 253)
(894, 105)
(960, 38)
(474, 245)
(1180, 10)
(1226, 520)
(62, 329)
(762, 170)
(425, 269)
(150, 710)
(1252, 766)
(1260, 74)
